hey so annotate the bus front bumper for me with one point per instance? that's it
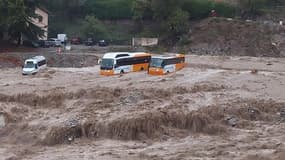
(155, 71)
(107, 72)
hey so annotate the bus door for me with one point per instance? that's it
(122, 66)
(168, 66)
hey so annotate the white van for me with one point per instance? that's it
(33, 65)
(62, 37)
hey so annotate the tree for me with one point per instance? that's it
(92, 27)
(169, 13)
(18, 16)
(142, 10)
(252, 7)
(177, 23)
(156, 9)
(3, 17)
(162, 9)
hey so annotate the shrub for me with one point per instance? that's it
(202, 8)
(111, 9)
(93, 27)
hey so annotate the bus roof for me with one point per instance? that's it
(168, 56)
(113, 55)
(36, 59)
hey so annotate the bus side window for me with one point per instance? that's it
(163, 64)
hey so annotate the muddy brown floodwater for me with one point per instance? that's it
(216, 108)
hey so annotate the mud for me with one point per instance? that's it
(16, 59)
(219, 111)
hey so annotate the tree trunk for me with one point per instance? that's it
(19, 39)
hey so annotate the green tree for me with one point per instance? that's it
(93, 27)
(177, 22)
(18, 16)
(155, 9)
(252, 7)
(3, 18)
(162, 9)
(109, 9)
(142, 10)
(169, 13)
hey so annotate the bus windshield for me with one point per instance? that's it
(156, 62)
(29, 65)
(107, 64)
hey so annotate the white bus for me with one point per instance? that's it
(33, 65)
(124, 62)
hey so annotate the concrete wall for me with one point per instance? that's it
(144, 41)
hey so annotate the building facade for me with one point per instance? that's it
(42, 21)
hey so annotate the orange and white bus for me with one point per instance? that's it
(124, 62)
(161, 65)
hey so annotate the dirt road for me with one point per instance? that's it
(215, 108)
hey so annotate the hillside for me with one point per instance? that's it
(220, 36)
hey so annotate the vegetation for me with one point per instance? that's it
(16, 19)
(252, 7)
(84, 18)
(177, 22)
(92, 27)
(109, 9)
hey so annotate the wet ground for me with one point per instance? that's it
(215, 108)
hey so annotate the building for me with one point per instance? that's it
(42, 21)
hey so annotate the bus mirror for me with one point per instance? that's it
(99, 61)
(116, 66)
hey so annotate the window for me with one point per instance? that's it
(156, 62)
(175, 60)
(29, 65)
(107, 64)
(122, 55)
(41, 63)
(133, 60)
(40, 19)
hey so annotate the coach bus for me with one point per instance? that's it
(161, 65)
(124, 62)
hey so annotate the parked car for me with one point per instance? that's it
(30, 43)
(90, 42)
(44, 43)
(102, 43)
(76, 40)
(54, 42)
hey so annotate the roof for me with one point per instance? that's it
(168, 56)
(36, 58)
(43, 9)
(113, 55)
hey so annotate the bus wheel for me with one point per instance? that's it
(122, 72)
(142, 69)
(167, 72)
